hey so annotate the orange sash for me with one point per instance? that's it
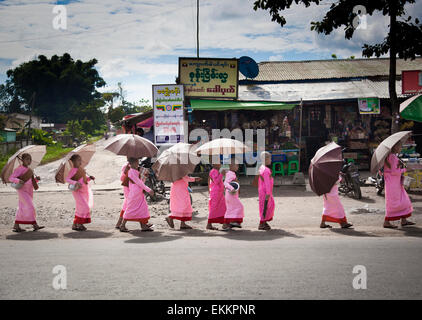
(255, 180)
(125, 182)
(81, 173)
(29, 174)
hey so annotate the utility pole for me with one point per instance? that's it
(31, 107)
(197, 29)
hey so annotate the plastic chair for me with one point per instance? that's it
(290, 169)
(281, 170)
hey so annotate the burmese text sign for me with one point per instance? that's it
(168, 114)
(209, 77)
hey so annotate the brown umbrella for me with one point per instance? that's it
(222, 146)
(382, 151)
(86, 151)
(176, 162)
(325, 168)
(131, 145)
(36, 152)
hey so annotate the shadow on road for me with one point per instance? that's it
(258, 235)
(365, 200)
(411, 231)
(150, 237)
(352, 232)
(33, 235)
(89, 234)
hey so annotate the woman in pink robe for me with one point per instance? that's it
(136, 207)
(123, 179)
(265, 192)
(234, 208)
(26, 210)
(83, 196)
(397, 202)
(333, 209)
(216, 202)
(180, 206)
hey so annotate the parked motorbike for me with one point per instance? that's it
(350, 182)
(152, 182)
(378, 181)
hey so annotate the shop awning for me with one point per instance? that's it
(221, 105)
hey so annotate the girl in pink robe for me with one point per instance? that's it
(123, 177)
(265, 192)
(83, 197)
(397, 202)
(26, 210)
(216, 202)
(180, 206)
(136, 206)
(333, 209)
(234, 208)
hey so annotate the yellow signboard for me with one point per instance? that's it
(210, 78)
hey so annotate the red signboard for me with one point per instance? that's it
(411, 81)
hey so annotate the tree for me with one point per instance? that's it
(87, 126)
(404, 38)
(73, 127)
(63, 86)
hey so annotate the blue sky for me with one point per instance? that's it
(138, 42)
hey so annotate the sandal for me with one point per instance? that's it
(408, 223)
(38, 228)
(347, 226)
(147, 229)
(124, 229)
(18, 230)
(390, 227)
(186, 227)
(325, 226)
(170, 222)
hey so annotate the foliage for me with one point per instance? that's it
(87, 126)
(73, 128)
(41, 137)
(63, 87)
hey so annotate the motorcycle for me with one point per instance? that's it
(378, 181)
(152, 182)
(350, 182)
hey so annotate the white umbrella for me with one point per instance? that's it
(382, 151)
(222, 146)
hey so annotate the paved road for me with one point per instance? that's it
(157, 266)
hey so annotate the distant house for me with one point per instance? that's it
(18, 121)
(8, 135)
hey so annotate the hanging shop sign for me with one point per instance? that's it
(168, 101)
(210, 78)
(369, 105)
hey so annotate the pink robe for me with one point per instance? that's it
(125, 190)
(333, 209)
(83, 197)
(137, 207)
(26, 209)
(217, 202)
(234, 208)
(180, 206)
(397, 202)
(265, 187)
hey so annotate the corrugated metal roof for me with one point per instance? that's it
(330, 69)
(316, 91)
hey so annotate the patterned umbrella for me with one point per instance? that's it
(176, 162)
(131, 145)
(36, 152)
(382, 151)
(86, 151)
